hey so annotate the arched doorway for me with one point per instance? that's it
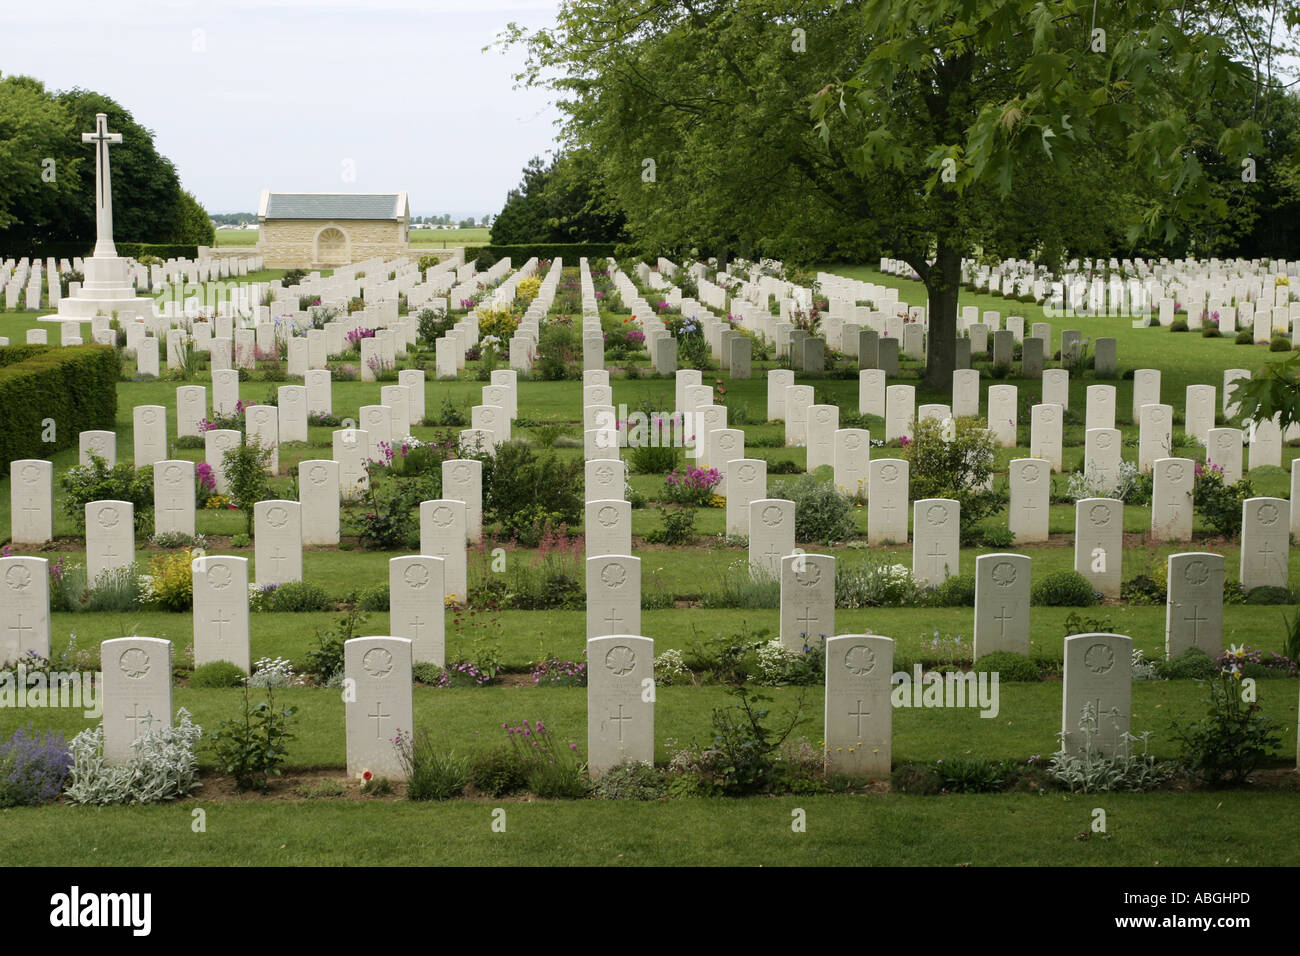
(331, 247)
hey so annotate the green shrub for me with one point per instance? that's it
(1009, 666)
(1245, 337)
(971, 775)
(630, 781)
(83, 484)
(745, 745)
(956, 465)
(1063, 589)
(427, 672)
(1268, 595)
(373, 598)
(875, 583)
(1211, 332)
(297, 597)
(822, 513)
(1217, 503)
(253, 747)
(1192, 664)
(433, 324)
(217, 674)
(433, 771)
(1178, 325)
(956, 591)
(998, 538)
(497, 773)
(1142, 589)
(652, 459)
(245, 467)
(1279, 343)
(552, 766)
(114, 590)
(1234, 738)
(678, 526)
(739, 588)
(325, 659)
(557, 352)
(523, 491)
(75, 387)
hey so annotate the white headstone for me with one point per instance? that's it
(221, 627)
(379, 669)
(137, 692)
(1002, 587)
(277, 532)
(1194, 606)
(1099, 542)
(318, 493)
(858, 710)
(417, 605)
(110, 538)
(1031, 494)
(807, 600)
(887, 494)
(1265, 543)
(771, 535)
(442, 535)
(1097, 693)
(24, 609)
(613, 595)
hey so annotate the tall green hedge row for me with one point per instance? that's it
(70, 250)
(76, 386)
(570, 252)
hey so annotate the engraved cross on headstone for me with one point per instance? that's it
(859, 714)
(808, 620)
(1196, 619)
(1002, 619)
(20, 627)
(619, 719)
(377, 716)
(219, 620)
(936, 553)
(137, 719)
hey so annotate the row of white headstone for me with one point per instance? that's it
(860, 695)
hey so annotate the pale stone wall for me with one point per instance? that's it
(291, 243)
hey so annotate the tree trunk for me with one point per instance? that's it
(942, 282)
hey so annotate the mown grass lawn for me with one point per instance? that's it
(1154, 829)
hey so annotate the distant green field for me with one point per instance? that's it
(236, 237)
(446, 238)
(434, 238)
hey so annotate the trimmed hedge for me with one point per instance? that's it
(163, 250)
(70, 250)
(570, 252)
(76, 386)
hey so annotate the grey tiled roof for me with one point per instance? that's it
(334, 206)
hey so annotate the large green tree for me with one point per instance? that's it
(48, 174)
(922, 131)
(38, 166)
(562, 202)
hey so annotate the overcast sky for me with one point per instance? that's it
(245, 95)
